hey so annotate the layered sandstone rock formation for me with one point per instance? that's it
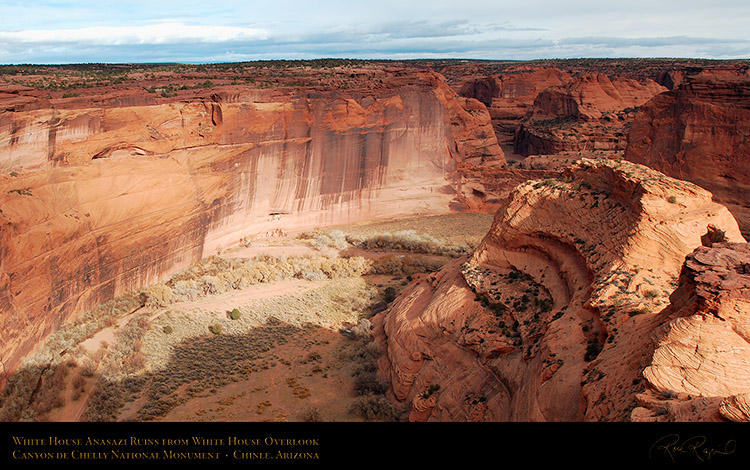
(700, 132)
(510, 95)
(102, 195)
(591, 112)
(559, 312)
(699, 369)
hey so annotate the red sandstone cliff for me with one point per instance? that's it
(557, 314)
(590, 112)
(104, 194)
(700, 132)
(509, 95)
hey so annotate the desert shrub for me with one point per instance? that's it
(79, 386)
(168, 330)
(215, 329)
(235, 314)
(211, 285)
(311, 415)
(638, 311)
(369, 383)
(185, 290)
(158, 295)
(104, 402)
(405, 265)
(713, 235)
(389, 295)
(310, 275)
(18, 391)
(363, 330)
(88, 369)
(592, 350)
(373, 408)
(667, 395)
(651, 294)
(134, 362)
(321, 240)
(216, 275)
(432, 389)
(672, 200)
(48, 395)
(364, 368)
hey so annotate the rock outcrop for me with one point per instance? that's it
(103, 195)
(589, 113)
(561, 308)
(700, 132)
(702, 356)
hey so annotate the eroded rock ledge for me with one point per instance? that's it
(555, 316)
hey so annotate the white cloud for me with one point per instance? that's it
(63, 31)
(159, 33)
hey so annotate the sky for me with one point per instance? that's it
(191, 31)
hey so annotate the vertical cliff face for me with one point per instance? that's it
(700, 132)
(555, 316)
(100, 198)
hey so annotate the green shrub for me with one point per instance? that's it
(430, 391)
(592, 350)
(215, 329)
(651, 294)
(235, 314)
(389, 295)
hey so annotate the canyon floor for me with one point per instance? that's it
(282, 357)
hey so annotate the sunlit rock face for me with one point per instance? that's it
(105, 194)
(699, 132)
